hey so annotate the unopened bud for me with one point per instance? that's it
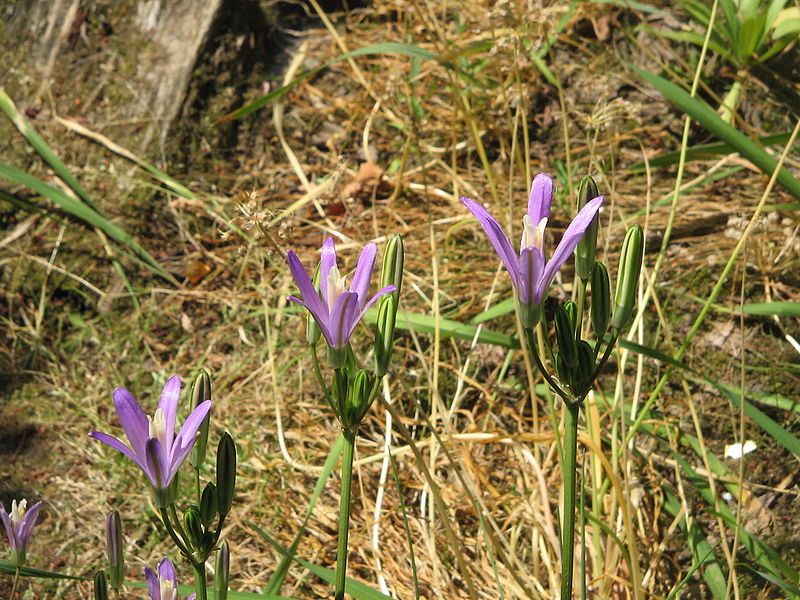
(193, 526)
(584, 368)
(392, 267)
(384, 337)
(115, 550)
(565, 336)
(201, 391)
(359, 399)
(601, 299)
(100, 586)
(585, 250)
(572, 312)
(226, 473)
(630, 265)
(208, 504)
(222, 572)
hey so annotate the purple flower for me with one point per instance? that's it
(336, 310)
(164, 584)
(19, 526)
(531, 272)
(154, 446)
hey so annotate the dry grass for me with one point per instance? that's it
(435, 134)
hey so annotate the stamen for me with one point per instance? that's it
(18, 510)
(158, 426)
(336, 285)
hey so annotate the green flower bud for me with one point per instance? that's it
(392, 267)
(359, 399)
(601, 299)
(115, 550)
(100, 586)
(193, 525)
(562, 370)
(226, 473)
(222, 572)
(384, 338)
(584, 368)
(313, 332)
(572, 311)
(630, 265)
(208, 504)
(565, 336)
(201, 391)
(584, 252)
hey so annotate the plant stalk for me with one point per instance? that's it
(344, 513)
(568, 518)
(200, 585)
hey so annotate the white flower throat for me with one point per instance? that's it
(336, 285)
(167, 589)
(532, 235)
(158, 427)
(18, 511)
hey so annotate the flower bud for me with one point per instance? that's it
(222, 572)
(226, 473)
(100, 586)
(193, 526)
(630, 265)
(601, 299)
(585, 250)
(384, 338)
(359, 399)
(562, 370)
(201, 391)
(114, 549)
(313, 332)
(392, 267)
(208, 504)
(565, 336)
(572, 312)
(584, 367)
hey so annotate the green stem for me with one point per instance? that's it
(200, 585)
(580, 302)
(197, 484)
(175, 538)
(570, 472)
(15, 584)
(344, 513)
(529, 336)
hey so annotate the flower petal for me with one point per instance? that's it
(321, 319)
(9, 526)
(570, 239)
(531, 266)
(157, 464)
(168, 403)
(327, 261)
(387, 290)
(497, 237)
(363, 273)
(109, 440)
(187, 436)
(342, 317)
(152, 584)
(25, 528)
(132, 418)
(167, 571)
(541, 198)
(310, 296)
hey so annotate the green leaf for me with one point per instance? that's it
(37, 143)
(10, 569)
(705, 115)
(356, 589)
(82, 212)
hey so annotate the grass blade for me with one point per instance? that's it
(705, 115)
(82, 212)
(10, 569)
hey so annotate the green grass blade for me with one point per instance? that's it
(447, 328)
(356, 589)
(9, 568)
(705, 115)
(279, 575)
(82, 212)
(37, 143)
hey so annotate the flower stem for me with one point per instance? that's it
(580, 304)
(200, 586)
(568, 518)
(545, 373)
(175, 538)
(15, 584)
(344, 513)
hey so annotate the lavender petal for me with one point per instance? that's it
(541, 198)
(497, 238)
